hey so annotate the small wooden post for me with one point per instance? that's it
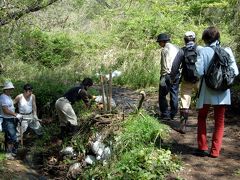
(143, 95)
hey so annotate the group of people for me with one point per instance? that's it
(16, 122)
(173, 72)
(20, 113)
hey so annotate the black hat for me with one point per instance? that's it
(27, 87)
(163, 37)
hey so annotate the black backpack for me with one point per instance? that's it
(188, 64)
(220, 75)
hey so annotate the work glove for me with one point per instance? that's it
(163, 81)
(19, 116)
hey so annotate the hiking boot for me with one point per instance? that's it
(201, 153)
(173, 117)
(165, 118)
(68, 130)
(183, 121)
(64, 132)
(212, 156)
(182, 127)
(73, 129)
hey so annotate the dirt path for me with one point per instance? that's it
(227, 166)
(18, 170)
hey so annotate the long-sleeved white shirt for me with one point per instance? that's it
(168, 54)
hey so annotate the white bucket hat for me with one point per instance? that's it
(190, 34)
(8, 85)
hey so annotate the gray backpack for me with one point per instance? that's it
(220, 75)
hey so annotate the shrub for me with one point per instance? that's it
(47, 50)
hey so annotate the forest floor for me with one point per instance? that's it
(227, 166)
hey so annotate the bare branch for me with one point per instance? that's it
(19, 13)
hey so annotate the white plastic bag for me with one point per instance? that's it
(99, 99)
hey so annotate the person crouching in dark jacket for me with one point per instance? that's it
(65, 112)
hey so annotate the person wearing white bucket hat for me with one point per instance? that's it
(9, 119)
(8, 85)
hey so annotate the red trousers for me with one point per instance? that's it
(219, 111)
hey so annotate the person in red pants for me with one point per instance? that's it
(209, 97)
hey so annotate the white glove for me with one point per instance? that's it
(35, 117)
(19, 116)
(163, 81)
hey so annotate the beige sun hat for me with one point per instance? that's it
(8, 85)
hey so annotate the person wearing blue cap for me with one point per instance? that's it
(168, 54)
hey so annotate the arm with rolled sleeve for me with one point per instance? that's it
(8, 112)
(85, 97)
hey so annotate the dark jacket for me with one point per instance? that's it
(78, 93)
(177, 66)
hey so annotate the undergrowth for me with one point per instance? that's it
(136, 154)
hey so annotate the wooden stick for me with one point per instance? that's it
(21, 133)
(103, 94)
(110, 92)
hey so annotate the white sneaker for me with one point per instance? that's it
(9, 156)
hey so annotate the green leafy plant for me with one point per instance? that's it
(48, 50)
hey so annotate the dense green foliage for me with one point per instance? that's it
(84, 38)
(50, 51)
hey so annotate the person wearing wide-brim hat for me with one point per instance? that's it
(9, 119)
(168, 53)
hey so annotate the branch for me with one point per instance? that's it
(19, 13)
(104, 3)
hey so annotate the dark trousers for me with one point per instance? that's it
(164, 89)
